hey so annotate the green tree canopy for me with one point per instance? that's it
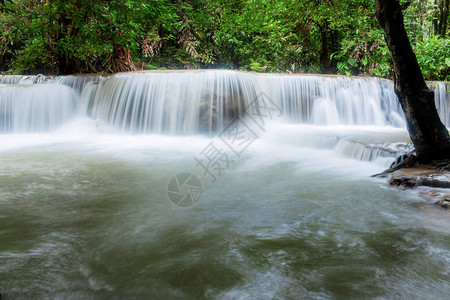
(71, 36)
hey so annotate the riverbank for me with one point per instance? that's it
(431, 182)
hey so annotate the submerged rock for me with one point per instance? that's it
(439, 197)
(216, 111)
(445, 203)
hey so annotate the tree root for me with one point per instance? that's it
(403, 161)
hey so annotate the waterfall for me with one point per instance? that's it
(174, 103)
(35, 107)
(23, 79)
(206, 101)
(341, 100)
(325, 112)
(78, 83)
(199, 102)
(442, 98)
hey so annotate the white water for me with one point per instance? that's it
(207, 101)
(442, 99)
(199, 102)
(174, 103)
(35, 108)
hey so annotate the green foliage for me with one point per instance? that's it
(80, 35)
(60, 36)
(33, 57)
(433, 56)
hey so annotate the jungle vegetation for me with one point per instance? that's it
(299, 36)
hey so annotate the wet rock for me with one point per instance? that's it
(439, 197)
(437, 180)
(424, 175)
(216, 111)
(445, 203)
(207, 121)
(404, 181)
(432, 184)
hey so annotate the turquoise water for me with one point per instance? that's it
(84, 217)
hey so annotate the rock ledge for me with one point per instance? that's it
(428, 176)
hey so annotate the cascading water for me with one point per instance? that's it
(207, 101)
(87, 163)
(335, 100)
(442, 98)
(78, 83)
(196, 102)
(19, 79)
(35, 108)
(175, 103)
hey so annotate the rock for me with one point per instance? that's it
(404, 182)
(439, 197)
(437, 180)
(445, 203)
(218, 111)
(424, 175)
(432, 183)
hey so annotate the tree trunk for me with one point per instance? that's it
(120, 60)
(430, 137)
(65, 63)
(324, 56)
(441, 17)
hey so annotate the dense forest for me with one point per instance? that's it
(317, 36)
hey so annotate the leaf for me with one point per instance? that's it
(364, 61)
(447, 61)
(352, 62)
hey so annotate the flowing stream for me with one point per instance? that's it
(284, 204)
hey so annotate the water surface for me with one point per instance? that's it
(88, 216)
